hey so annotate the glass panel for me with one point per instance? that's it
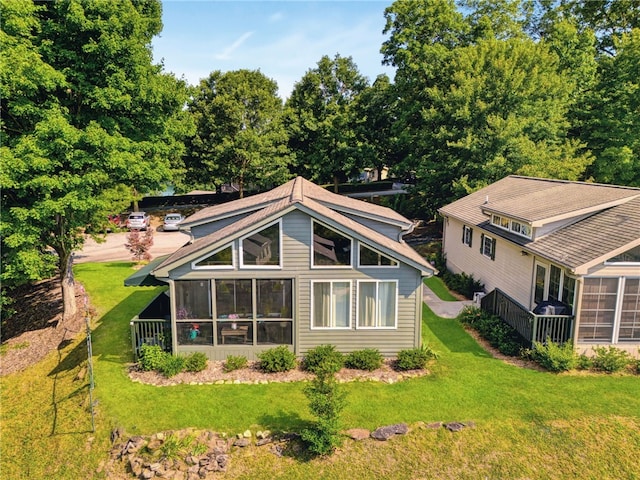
(341, 297)
(262, 248)
(554, 283)
(369, 257)
(630, 256)
(321, 304)
(329, 247)
(223, 258)
(233, 299)
(275, 333)
(193, 299)
(598, 309)
(568, 291)
(366, 304)
(487, 246)
(541, 273)
(387, 304)
(195, 333)
(274, 298)
(630, 314)
(235, 333)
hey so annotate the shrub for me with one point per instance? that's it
(555, 357)
(414, 358)
(172, 365)
(470, 315)
(584, 362)
(152, 357)
(368, 359)
(610, 359)
(234, 362)
(462, 283)
(196, 362)
(323, 358)
(498, 333)
(278, 359)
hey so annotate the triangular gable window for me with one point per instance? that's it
(371, 258)
(630, 256)
(222, 258)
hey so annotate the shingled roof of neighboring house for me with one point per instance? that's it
(302, 189)
(296, 194)
(607, 216)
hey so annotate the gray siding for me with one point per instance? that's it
(200, 231)
(296, 227)
(385, 229)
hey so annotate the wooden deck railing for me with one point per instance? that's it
(149, 331)
(532, 327)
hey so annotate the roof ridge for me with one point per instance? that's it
(297, 194)
(574, 182)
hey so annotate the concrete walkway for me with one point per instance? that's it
(440, 307)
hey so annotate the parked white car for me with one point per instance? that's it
(138, 221)
(171, 222)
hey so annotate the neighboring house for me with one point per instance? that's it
(296, 266)
(557, 258)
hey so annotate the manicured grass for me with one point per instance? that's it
(438, 287)
(529, 424)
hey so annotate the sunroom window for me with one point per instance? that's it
(193, 312)
(330, 248)
(222, 258)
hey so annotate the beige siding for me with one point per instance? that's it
(297, 235)
(511, 271)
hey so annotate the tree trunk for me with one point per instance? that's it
(68, 286)
(335, 183)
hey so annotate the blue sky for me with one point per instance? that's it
(281, 39)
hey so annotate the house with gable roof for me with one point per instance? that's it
(558, 259)
(296, 266)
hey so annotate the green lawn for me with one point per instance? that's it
(438, 287)
(530, 424)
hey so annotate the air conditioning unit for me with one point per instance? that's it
(477, 297)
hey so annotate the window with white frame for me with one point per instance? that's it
(262, 248)
(377, 304)
(631, 256)
(630, 312)
(515, 226)
(220, 259)
(488, 246)
(467, 235)
(370, 258)
(598, 309)
(331, 304)
(330, 248)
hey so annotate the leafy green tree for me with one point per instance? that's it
(86, 116)
(320, 121)
(240, 135)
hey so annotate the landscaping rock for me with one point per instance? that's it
(358, 434)
(457, 426)
(264, 441)
(434, 425)
(385, 433)
(242, 442)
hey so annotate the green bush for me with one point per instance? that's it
(234, 362)
(462, 283)
(368, 359)
(278, 359)
(555, 357)
(610, 359)
(152, 357)
(414, 358)
(323, 358)
(490, 327)
(584, 362)
(172, 365)
(196, 362)
(470, 315)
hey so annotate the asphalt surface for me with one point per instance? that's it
(113, 249)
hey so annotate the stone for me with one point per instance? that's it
(434, 425)
(454, 426)
(160, 436)
(247, 434)
(264, 441)
(136, 466)
(401, 428)
(277, 450)
(147, 473)
(154, 467)
(242, 442)
(358, 434)
(222, 461)
(385, 433)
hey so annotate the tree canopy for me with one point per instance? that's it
(86, 119)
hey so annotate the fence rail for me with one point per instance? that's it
(532, 327)
(149, 332)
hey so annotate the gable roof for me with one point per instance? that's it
(305, 196)
(298, 189)
(607, 217)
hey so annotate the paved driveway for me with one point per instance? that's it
(113, 249)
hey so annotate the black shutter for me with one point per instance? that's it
(464, 229)
(470, 236)
(482, 244)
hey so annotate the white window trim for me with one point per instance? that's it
(493, 242)
(195, 266)
(325, 267)
(377, 282)
(360, 244)
(510, 227)
(280, 253)
(332, 281)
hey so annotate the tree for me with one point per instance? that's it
(85, 117)
(139, 245)
(320, 121)
(240, 135)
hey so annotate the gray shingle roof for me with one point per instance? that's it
(308, 197)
